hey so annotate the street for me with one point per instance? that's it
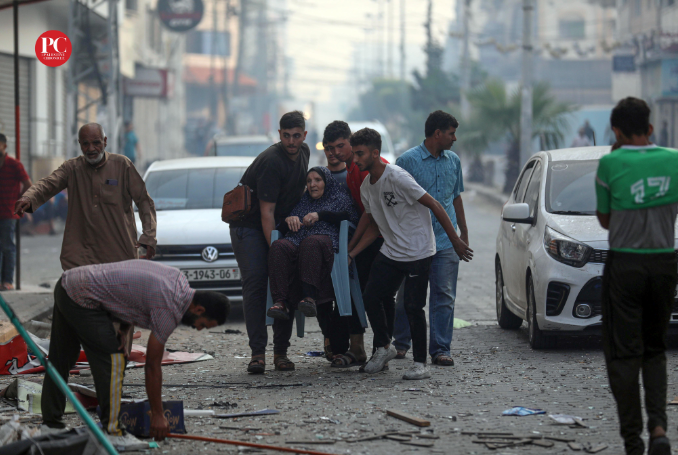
(495, 370)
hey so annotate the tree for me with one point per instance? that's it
(496, 115)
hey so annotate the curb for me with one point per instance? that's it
(490, 194)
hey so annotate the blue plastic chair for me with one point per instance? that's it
(345, 287)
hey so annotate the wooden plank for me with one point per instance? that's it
(560, 438)
(397, 437)
(7, 332)
(596, 449)
(575, 446)
(314, 441)
(418, 443)
(408, 418)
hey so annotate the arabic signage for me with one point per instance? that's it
(180, 15)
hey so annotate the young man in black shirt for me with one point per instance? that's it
(277, 177)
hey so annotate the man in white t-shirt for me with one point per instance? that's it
(398, 208)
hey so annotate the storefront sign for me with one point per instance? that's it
(150, 82)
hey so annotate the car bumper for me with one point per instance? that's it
(585, 287)
(232, 288)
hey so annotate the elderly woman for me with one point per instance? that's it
(299, 265)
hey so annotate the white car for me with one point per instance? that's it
(188, 195)
(551, 249)
(224, 145)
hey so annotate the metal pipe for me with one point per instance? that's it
(17, 133)
(56, 377)
(243, 443)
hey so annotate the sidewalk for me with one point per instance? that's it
(31, 303)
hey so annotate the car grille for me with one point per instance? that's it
(598, 256)
(189, 252)
(556, 296)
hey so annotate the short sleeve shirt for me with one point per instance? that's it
(275, 178)
(144, 293)
(12, 173)
(638, 187)
(441, 178)
(404, 223)
(354, 179)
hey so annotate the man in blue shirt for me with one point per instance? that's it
(437, 169)
(131, 148)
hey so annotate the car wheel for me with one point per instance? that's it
(505, 318)
(538, 339)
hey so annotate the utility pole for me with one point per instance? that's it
(227, 53)
(213, 52)
(242, 24)
(389, 39)
(526, 89)
(402, 41)
(465, 64)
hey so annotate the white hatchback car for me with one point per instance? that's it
(188, 195)
(551, 250)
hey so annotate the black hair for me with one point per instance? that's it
(368, 137)
(318, 171)
(631, 116)
(439, 120)
(216, 305)
(338, 129)
(294, 119)
(3, 138)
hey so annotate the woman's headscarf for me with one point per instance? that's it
(335, 199)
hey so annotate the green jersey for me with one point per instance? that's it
(638, 187)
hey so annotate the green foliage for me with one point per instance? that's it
(496, 116)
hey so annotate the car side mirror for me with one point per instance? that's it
(517, 213)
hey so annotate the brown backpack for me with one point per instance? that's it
(237, 204)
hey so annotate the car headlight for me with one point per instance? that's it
(564, 249)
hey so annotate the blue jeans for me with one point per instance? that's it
(7, 251)
(443, 282)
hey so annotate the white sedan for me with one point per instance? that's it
(188, 195)
(551, 249)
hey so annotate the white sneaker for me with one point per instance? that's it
(380, 358)
(127, 442)
(418, 371)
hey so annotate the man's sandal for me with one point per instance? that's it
(348, 360)
(257, 365)
(282, 363)
(307, 306)
(278, 311)
(443, 360)
(400, 355)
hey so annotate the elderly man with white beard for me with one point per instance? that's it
(100, 225)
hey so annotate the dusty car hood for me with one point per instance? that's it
(579, 227)
(190, 227)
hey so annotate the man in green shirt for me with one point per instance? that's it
(637, 193)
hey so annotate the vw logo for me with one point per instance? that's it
(210, 254)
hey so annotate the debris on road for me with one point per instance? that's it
(520, 411)
(263, 412)
(315, 353)
(408, 418)
(564, 419)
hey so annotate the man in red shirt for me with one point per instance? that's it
(13, 182)
(336, 140)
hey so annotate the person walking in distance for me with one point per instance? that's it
(277, 177)
(437, 169)
(13, 182)
(637, 201)
(399, 208)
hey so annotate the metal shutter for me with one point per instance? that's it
(7, 105)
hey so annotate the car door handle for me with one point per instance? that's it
(513, 227)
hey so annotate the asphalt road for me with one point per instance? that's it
(495, 370)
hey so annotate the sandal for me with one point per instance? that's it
(307, 306)
(328, 350)
(257, 365)
(443, 360)
(282, 363)
(278, 311)
(348, 360)
(400, 355)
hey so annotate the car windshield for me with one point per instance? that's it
(570, 187)
(244, 149)
(187, 189)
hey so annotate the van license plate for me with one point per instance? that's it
(212, 274)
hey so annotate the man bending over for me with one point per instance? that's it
(89, 299)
